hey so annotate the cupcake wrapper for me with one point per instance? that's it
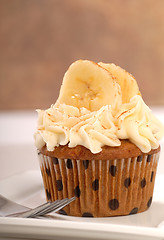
(102, 187)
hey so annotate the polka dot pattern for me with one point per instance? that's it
(113, 204)
(149, 202)
(48, 172)
(69, 164)
(152, 175)
(77, 191)
(95, 185)
(112, 170)
(127, 182)
(59, 185)
(48, 194)
(88, 181)
(55, 160)
(149, 158)
(143, 183)
(86, 163)
(139, 159)
(134, 211)
(87, 214)
(61, 211)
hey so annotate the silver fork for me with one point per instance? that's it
(9, 208)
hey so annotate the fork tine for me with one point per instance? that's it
(65, 204)
(57, 207)
(34, 211)
(54, 206)
(45, 208)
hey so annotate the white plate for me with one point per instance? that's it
(27, 189)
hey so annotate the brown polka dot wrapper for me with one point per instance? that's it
(102, 188)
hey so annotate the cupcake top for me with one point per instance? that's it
(98, 105)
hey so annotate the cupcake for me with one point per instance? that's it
(99, 142)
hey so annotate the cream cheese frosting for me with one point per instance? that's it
(69, 125)
(137, 123)
(65, 124)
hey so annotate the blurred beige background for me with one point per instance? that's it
(39, 39)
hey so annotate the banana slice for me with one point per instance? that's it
(86, 84)
(127, 82)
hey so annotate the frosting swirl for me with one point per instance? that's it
(137, 123)
(65, 124)
(69, 125)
